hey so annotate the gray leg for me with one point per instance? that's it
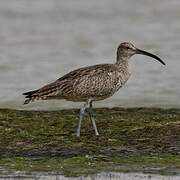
(92, 118)
(81, 117)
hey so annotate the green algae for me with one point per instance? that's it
(130, 139)
(84, 165)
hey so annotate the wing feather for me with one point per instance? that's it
(64, 85)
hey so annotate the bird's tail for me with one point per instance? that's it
(30, 96)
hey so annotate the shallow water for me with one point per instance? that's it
(42, 40)
(100, 176)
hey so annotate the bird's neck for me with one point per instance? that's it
(122, 61)
(122, 57)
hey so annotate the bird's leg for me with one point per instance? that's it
(82, 110)
(92, 118)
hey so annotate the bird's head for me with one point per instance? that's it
(126, 50)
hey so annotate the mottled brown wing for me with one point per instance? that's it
(90, 70)
(88, 82)
(66, 84)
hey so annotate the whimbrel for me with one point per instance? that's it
(89, 84)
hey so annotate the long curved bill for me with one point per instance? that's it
(139, 51)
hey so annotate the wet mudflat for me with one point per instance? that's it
(99, 176)
(131, 140)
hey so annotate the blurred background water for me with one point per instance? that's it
(42, 40)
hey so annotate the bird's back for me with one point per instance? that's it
(97, 82)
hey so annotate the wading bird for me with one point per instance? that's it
(89, 84)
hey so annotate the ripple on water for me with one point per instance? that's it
(100, 176)
(42, 40)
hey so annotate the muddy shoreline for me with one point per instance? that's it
(131, 135)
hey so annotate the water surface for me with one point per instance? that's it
(42, 40)
(100, 176)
